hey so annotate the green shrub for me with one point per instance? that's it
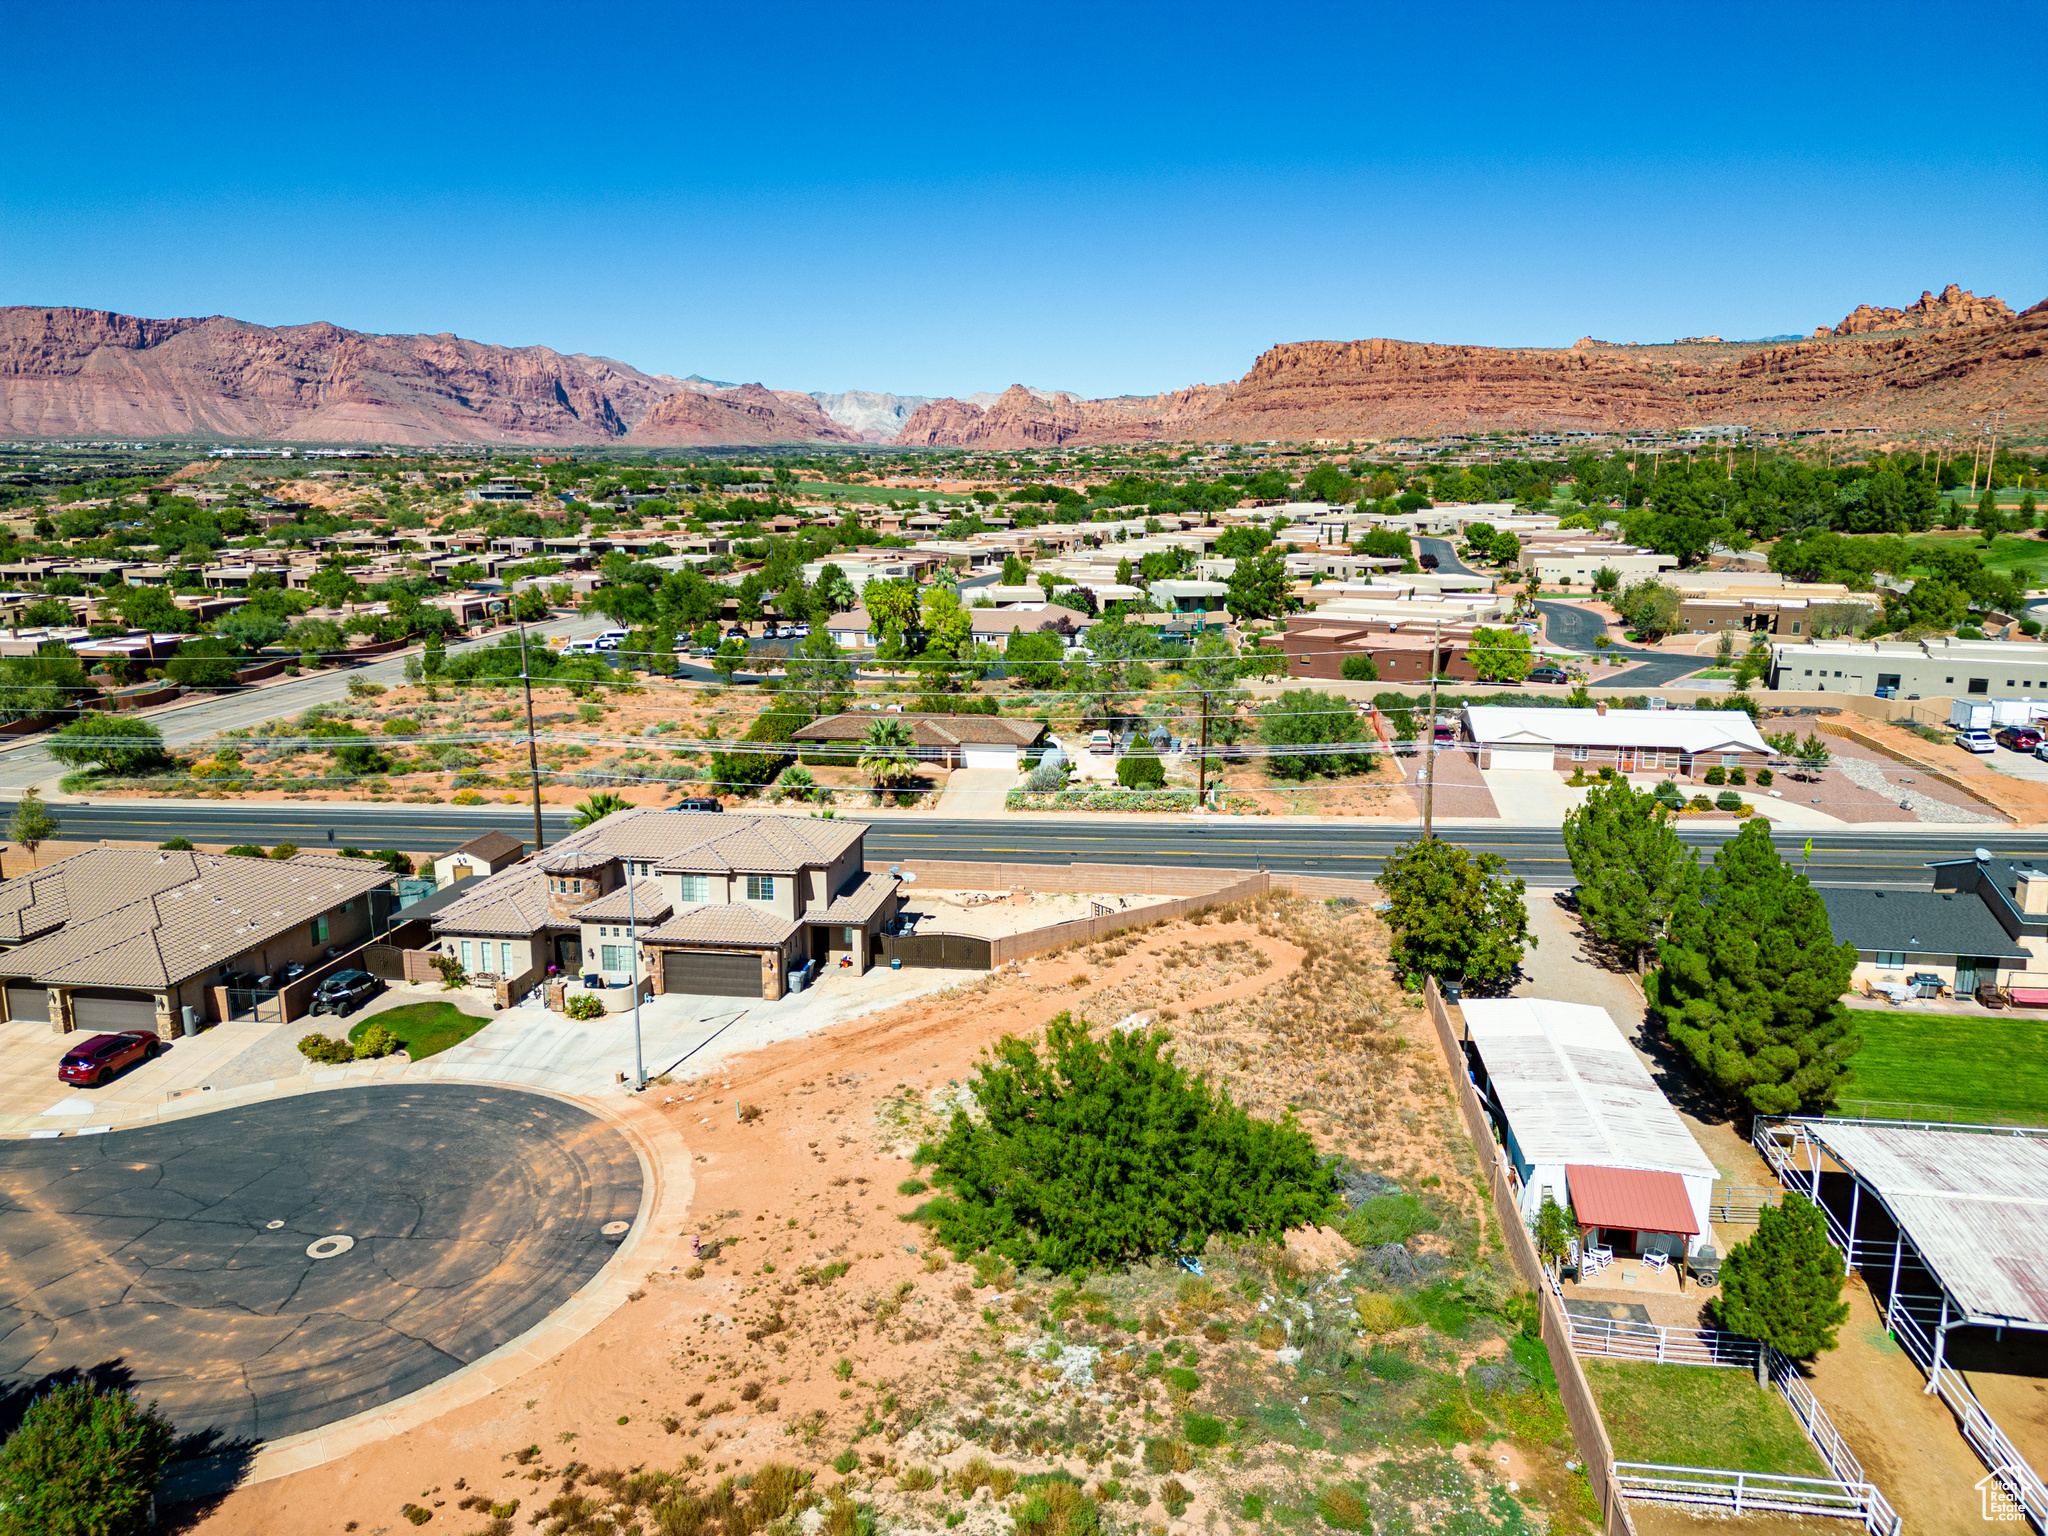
(1181, 1379)
(1140, 773)
(1054, 1505)
(1737, 776)
(1765, 778)
(912, 1187)
(1728, 800)
(845, 1462)
(177, 845)
(376, 1041)
(325, 1048)
(1393, 1217)
(248, 851)
(1094, 1153)
(1202, 1429)
(1360, 669)
(1344, 1508)
(584, 1006)
(1175, 1497)
(1254, 1506)
(85, 1462)
(1716, 775)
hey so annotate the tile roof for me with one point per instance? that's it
(492, 846)
(1919, 923)
(699, 842)
(731, 923)
(158, 919)
(510, 904)
(929, 730)
(93, 881)
(650, 905)
(859, 901)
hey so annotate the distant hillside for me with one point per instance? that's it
(875, 418)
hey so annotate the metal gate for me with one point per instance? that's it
(384, 961)
(711, 973)
(949, 951)
(247, 1003)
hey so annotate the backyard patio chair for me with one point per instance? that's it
(1597, 1258)
(1655, 1261)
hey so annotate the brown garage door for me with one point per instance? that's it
(710, 973)
(105, 1012)
(31, 1004)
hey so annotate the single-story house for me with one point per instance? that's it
(1684, 742)
(994, 626)
(725, 905)
(484, 854)
(1986, 920)
(952, 741)
(1177, 595)
(1584, 1124)
(124, 938)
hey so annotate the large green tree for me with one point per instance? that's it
(1500, 655)
(1783, 1284)
(1632, 869)
(117, 743)
(1099, 1151)
(1456, 915)
(1751, 981)
(1257, 588)
(85, 1462)
(1309, 732)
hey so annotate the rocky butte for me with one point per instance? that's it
(1937, 364)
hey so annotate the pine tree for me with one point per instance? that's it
(1751, 982)
(1631, 866)
(1784, 1285)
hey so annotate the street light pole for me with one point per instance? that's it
(1429, 754)
(532, 752)
(633, 972)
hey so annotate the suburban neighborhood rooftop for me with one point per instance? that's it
(1686, 730)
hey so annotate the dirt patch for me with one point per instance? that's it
(815, 1325)
(996, 914)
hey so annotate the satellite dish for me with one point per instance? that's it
(895, 869)
(1983, 855)
(910, 877)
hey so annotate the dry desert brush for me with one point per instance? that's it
(1094, 1152)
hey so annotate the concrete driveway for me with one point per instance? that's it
(32, 1101)
(681, 1034)
(975, 792)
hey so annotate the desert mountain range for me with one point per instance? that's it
(1938, 364)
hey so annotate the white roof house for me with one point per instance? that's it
(1530, 737)
(1582, 1119)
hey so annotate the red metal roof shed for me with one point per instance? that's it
(1633, 1198)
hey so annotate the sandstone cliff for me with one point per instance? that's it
(1021, 418)
(73, 372)
(1957, 309)
(747, 414)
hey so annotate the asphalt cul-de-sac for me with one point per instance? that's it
(174, 1258)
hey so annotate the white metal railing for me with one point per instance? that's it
(1991, 1443)
(1611, 1339)
(1820, 1429)
(1745, 1493)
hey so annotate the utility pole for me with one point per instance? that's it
(1202, 763)
(1991, 457)
(532, 751)
(1429, 753)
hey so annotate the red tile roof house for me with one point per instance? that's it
(721, 905)
(130, 938)
(950, 741)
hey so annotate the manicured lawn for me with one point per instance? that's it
(1699, 1416)
(1988, 1065)
(2001, 555)
(426, 1029)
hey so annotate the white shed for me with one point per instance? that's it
(1582, 1120)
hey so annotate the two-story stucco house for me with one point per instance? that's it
(723, 905)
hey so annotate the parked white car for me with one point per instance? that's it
(1976, 741)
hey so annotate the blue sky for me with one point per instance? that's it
(1111, 198)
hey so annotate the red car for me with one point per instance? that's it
(2019, 738)
(102, 1056)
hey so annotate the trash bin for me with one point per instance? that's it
(895, 962)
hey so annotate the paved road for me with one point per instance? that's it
(183, 724)
(1844, 856)
(1447, 561)
(175, 1255)
(1577, 629)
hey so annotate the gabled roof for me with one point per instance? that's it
(650, 905)
(179, 914)
(859, 901)
(96, 880)
(510, 905)
(1687, 730)
(730, 923)
(694, 842)
(492, 846)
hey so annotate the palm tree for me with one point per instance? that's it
(597, 807)
(885, 757)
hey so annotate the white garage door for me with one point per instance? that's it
(984, 756)
(1522, 759)
(111, 1012)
